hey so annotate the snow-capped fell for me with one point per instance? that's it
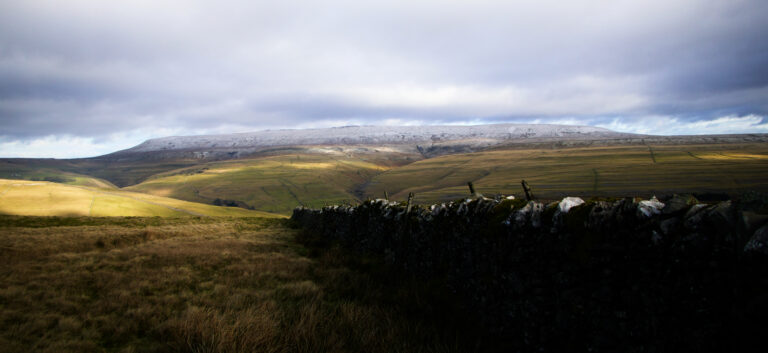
(372, 135)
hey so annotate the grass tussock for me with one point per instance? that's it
(200, 285)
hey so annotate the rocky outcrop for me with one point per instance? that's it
(602, 275)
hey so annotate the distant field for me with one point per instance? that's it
(40, 198)
(273, 184)
(196, 285)
(586, 171)
(278, 183)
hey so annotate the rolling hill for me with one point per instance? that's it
(42, 198)
(47, 170)
(609, 171)
(272, 184)
(279, 183)
(274, 171)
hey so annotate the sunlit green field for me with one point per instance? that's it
(272, 184)
(590, 171)
(40, 198)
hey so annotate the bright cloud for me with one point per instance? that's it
(665, 125)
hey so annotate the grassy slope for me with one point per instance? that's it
(40, 198)
(272, 184)
(593, 171)
(40, 171)
(117, 173)
(194, 285)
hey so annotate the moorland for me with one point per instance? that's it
(276, 182)
(117, 284)
(173, 249)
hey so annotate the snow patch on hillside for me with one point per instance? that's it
(371, 135)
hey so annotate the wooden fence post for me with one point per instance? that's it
(527, 190)
(410, 203)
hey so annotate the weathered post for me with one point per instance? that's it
(410, 203)
(472, 190)
(527, 190)
(386, 195)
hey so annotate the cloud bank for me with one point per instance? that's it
(100, 76)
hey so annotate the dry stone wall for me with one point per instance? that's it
(617, 275)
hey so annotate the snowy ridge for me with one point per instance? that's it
(372, 135)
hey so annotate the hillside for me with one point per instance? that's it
(47, 170)
(117, 174)
(272, 184)
(393, 146)
(41, 198)
(279, 183)
(610, 171)
(274, 171)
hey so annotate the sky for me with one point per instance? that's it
(84, 78)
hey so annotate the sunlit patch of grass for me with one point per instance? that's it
(163, 192)
(105, 205)
(732, 156)
(54, 199)
(44, 199)
(318, 165)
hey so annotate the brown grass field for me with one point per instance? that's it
(613, 171)
(42, 198)
(279, 183)
(274, 184)
(198, 285)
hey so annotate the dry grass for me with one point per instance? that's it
(273, 184)
(193, 285)
(41, 198)
(583, 171)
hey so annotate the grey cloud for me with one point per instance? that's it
(93, 68)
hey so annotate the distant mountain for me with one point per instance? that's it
(448, 139)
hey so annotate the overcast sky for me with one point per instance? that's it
(83, 78)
